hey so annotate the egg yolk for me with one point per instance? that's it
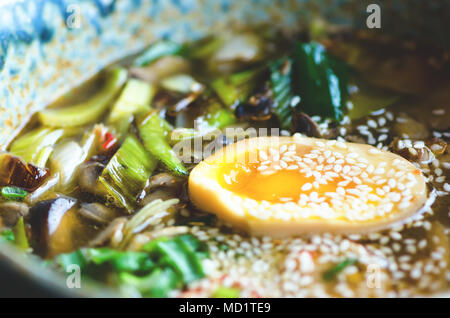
(278, 187)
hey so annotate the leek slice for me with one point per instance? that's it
(158, 50)
(127, 173)
(205, 48)
(66, 159)
(42, 156)
(68, 156)
(135, 97)
(237, 87)
(181, 83)
(153, 131)
(20, 235)
(220, 118)
(88, 111)
(35, 146)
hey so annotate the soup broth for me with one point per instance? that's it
(96, 181)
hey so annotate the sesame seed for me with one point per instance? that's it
(372, 123)
(440, 179)
(396, 235)
(381, 121)
(438, 112)
(413, 151)
(382, 137)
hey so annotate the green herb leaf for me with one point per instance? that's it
(193, 244)
(335, 270)
(121, 261)
(7, 235)
(320, 80)
(284, 98)
(74, 258)
(157, 284)
(163, 264)
(179, 256)
(13, 193)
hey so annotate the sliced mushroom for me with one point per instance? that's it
(14, 171)
(162, 186)
(445, 159)
(165, 180)
(302, 123)
(437, 146)
(11, 212)
(97, 213)
(52, 226)
(420, 155)
(88, 175)
(258, 107)
(112, 233)
(158, 194)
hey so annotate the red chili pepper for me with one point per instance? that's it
(110, 141)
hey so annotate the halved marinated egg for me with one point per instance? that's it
(283, 186)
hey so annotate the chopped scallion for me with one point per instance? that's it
(226, 292)
(13, 193)
(331, 274)
(154, 133)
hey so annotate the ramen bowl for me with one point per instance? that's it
(49, 47)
